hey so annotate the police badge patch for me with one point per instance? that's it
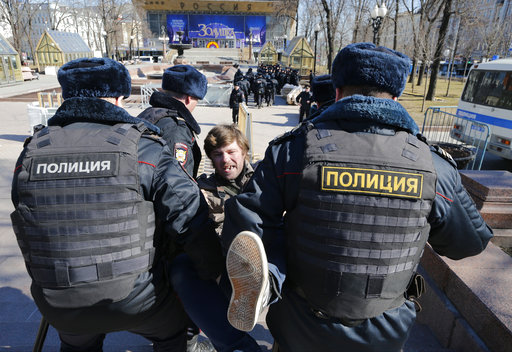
(181, 152)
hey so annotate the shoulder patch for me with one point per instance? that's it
(181, 152)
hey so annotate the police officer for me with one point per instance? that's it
(323, 94)
(258, 89)
(182, 87)
(99, 199)
(269, 91)
(305, 98)
(235, 98)
(361, 194)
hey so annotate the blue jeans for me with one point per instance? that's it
(207, 305)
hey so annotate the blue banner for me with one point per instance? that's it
(176, 23)
(255, 25)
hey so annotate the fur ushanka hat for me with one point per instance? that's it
(322, 88)
(185, 79)
(365, 64)
(95, 78)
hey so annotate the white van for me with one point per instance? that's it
(487, 98)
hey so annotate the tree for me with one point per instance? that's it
(333, 23)
(12, 11)
(443, 29)
(359, 7)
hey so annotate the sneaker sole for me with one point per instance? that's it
(247, 268)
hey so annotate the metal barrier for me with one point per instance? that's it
(145, 93)
(216, 95)
(464, 138)
(49, 100)
(38, 115)
(245, 125)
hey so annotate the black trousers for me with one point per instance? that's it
(151, 310)
(304, 110)
(234, 114)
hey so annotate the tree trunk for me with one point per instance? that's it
(421, 71)
(330, 39)
(455, 47)
(396, 26)
(443, 29)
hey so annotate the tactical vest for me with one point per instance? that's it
(360, 224)
(82, 223)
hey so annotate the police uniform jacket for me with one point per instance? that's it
(179, 129)
(235, 98)
(182, 224)
(217, 190)
(457, 229)
(304, 98)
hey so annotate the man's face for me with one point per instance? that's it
(228, 160)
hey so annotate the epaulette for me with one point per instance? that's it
(290, 134)
(443, 154)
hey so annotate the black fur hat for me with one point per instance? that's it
(322, 88)
(94, 77)
(365, 64)
(186, 80)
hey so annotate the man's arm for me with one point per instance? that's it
(457, 229)
(182, 209)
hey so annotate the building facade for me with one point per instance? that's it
(221, 24)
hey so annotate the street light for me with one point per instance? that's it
(105, 37)
(377, 13)
(163, 39)
(250, 45)
(317, 29)
(131, 45)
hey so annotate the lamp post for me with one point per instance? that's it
(163, 39)
(250, 45)
(105, 37)
(317, 29)
(377, 13)
(131, 46)
(284, 40)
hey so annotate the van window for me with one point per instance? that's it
(490, 88)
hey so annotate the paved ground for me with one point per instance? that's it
(19, 317)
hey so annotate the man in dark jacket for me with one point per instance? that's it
(101, 204)
(236, 97)
(171, 111)
(305, 98)
(361, 194)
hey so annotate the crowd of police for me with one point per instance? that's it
(265, 83)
